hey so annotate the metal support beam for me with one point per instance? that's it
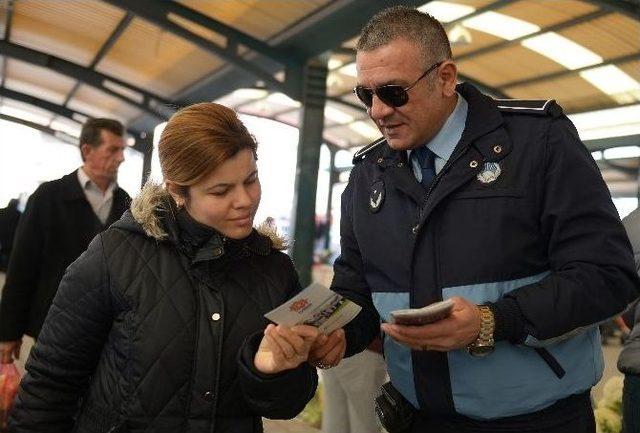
(607, 143)
(6, 36)
(565, 72)
(144, 144)
(315, 91)
(159, 12)
(45, 129)
(111, 40)
(58, 110)
(146, 101)
(638, 180)
(629, 171)
(333, 178)
(555, 28)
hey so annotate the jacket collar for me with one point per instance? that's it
(482, 130)
(484, 125)
(72, 190)
(203, 243)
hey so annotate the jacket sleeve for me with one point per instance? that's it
(349, 280)
(276, 396)
(593, 276)
(68, 348)
(24, 269)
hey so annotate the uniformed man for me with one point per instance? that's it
(495, 204)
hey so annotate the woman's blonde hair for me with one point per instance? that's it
(199, 138)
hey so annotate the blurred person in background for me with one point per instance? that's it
(629, 361)
(59, 221)
(349, 390)
(159, 326)
(9, 217)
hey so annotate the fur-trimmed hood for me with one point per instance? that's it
(153, 213)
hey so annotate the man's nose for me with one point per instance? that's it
(379, 110)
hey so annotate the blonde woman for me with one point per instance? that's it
(159, 326)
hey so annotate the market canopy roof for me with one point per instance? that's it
(138, 61)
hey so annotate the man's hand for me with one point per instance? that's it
(10, 350)
(283, 348)
(458, 330)
(329, 350)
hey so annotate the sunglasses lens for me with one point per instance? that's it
(365, 95)
(392, 95)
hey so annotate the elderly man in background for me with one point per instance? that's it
(60, 219)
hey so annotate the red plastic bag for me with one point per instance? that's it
(9, 382)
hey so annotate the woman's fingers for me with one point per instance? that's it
(286, 348)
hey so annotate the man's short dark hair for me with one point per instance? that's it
(91, 134)
(91, 130)
(402, 22)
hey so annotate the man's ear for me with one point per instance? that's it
(448, 76)
(85, 149)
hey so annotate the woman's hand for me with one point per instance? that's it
(284, 348)
(328, 351)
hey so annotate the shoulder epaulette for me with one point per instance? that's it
(541, 107)
(360, 155)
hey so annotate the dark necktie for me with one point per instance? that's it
(426, 159)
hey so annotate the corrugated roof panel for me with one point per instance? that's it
(572, 92)
(610, 36)
(473, 3)
(507, 65)
(156, 60)
(547, 13)
(290, 118)
(96, 103)
(72, 29)
(339, 84)
(37, 81)
(478, 40)
(261, 108)
(257, 18)
(25, 111)
(632, 69)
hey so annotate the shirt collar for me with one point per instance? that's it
(445, 141)
(86, 182)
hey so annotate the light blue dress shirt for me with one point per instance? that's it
(446, 139)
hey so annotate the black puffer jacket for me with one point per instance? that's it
(157, 331)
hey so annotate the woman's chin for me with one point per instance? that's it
(239, 232)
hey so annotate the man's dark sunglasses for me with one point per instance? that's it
(392, 95)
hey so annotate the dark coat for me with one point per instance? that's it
(56, 227)
(540, 241)
(9, 217)
(158, 334)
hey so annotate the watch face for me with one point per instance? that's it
(481, 350)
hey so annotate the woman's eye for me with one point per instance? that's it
(219, 193)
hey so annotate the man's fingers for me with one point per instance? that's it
(433, 330)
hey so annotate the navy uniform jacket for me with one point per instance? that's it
(541, 242)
